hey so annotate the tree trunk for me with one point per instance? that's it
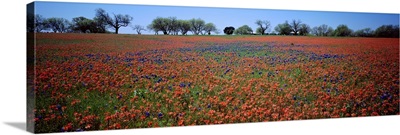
(116, 30)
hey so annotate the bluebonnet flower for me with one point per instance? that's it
(182, 85)
(159, 80)
(385, 96)
(119, 96)
(160, 115)
(89, 55)
(227, 71)
(59, 107)
(147, 114)
(84, 84)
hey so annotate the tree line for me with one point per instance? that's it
(297, 27)
(104, 21)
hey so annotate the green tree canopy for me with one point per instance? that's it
(196, 25)
(58, 25)
(229, 30)
(342, 31)
(184, 26)
(209, 27)
(387, 31)
(304, 29)
(243, 30)
(283, 28)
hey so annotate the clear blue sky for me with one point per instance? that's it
(221, 17)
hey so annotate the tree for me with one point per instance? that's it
(304, 29)
(243, 30)
(82, 24)
(150, 27)
(196, 25)
(98, 26)
(58, 25)
(259, 31)
(116, 22)
(295, 26)
(138, 28)
(366, 32)
(40, 23)
(30, 22)
(342, 31)
(85, 25)
(387, 31)
(161, 24)
(36, 23)
(209, 27)
(173, 26)
(262, 26)
(283, 29)
(229, 30)
(183, 26)
(322, 30)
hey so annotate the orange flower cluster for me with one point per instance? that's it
(101, 81)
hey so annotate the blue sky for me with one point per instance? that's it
(221, 17)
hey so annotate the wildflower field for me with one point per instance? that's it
(106, 81)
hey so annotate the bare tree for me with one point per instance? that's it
(322, 30)
(263, 26)
(138, 29)
(295, 26)
(116, 22)
(40, 23)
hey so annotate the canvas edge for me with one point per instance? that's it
(30, 70)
